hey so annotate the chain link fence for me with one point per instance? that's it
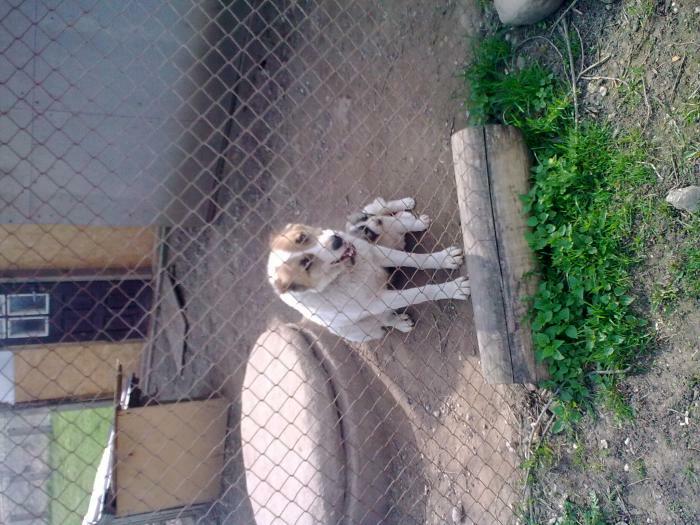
(148, 371)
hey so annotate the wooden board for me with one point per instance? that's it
(492, 169)
(66, 247)
(169, 455)
(71, 371)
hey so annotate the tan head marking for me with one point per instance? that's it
(294, 238)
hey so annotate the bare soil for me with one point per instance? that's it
(346, 102)
(342, 103)
(643, 470)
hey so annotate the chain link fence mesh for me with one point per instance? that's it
(149, 152)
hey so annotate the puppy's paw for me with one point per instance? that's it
(423, 222)
(460, 289)
(407, 203)
(403, 323)
(453, 258)
(376, 207)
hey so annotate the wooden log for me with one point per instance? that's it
(492, 167)
(481, 253)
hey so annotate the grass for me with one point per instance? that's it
(686, 268)
(579, 457)
(691, 109)
(589, 513)
(641, 468)
(641, 9)
(631, 90)
(683, 282)
(542, 457)
(691, 475)
(78, 440)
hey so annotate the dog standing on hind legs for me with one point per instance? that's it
(338, 279)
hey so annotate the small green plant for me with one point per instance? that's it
(612, 399)
(529, 99)
(583, 209)
(691, 475)
(579, 457)
(694, 381)
(687, 267)
(631, 89)
(684, 270)
(542, 457)
(664, 296)
(484, 5)
(640, 9)
(589, 513)
(641, 468)
(691, 109)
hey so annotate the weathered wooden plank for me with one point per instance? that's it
(509, 170)
(481, 253)
(492, 169)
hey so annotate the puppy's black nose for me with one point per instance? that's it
(336, 242)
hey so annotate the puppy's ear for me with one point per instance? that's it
(297, 287)
(284, 284)
(369, 233)
(276, 234)
(357, 217)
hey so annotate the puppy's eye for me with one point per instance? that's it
(301, 238)
(306, 262)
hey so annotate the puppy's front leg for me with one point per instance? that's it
(395, 299)
(405, 221)
(380, 206)
(448, 259)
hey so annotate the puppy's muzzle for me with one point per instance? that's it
(349, 254)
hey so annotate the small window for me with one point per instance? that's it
(2, 328)
(2, 305)
(20, 327)
(28, 304)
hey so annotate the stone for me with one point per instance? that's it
(523, 12)
(687, 198)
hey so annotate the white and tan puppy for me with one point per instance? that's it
(339, 280)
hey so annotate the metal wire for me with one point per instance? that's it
(149, 151)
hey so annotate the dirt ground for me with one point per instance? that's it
(645, 470)
(342, 104)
